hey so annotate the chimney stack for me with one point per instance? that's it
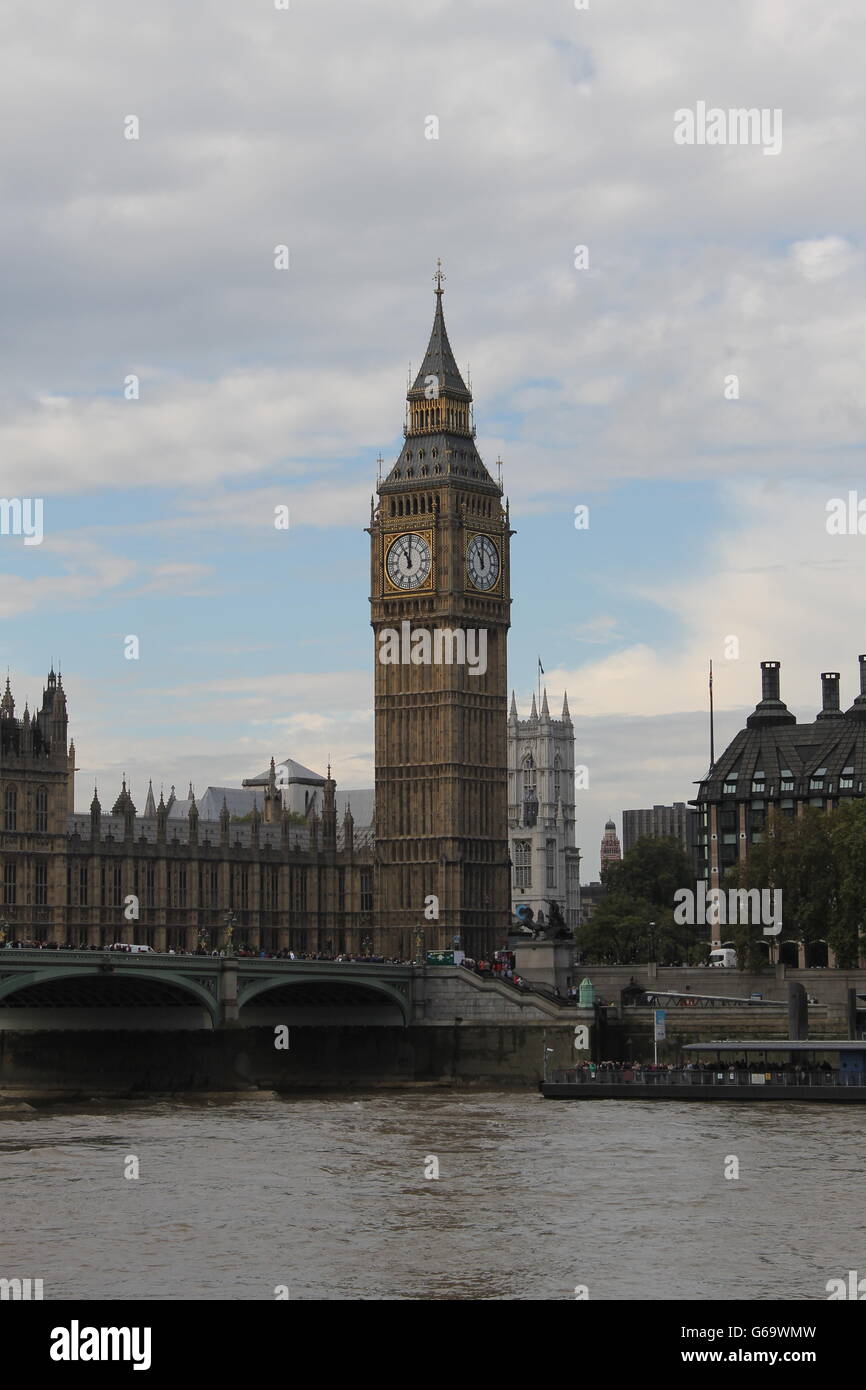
(770, 710)
(770, 680)
(858, 709)
(830, 695)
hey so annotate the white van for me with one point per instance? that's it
(129, 948)
(724, 956)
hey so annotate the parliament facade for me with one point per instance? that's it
(433, 864)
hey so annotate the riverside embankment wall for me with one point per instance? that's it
(827, 986)
(82, 1063)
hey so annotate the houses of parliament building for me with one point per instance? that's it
(281, 863)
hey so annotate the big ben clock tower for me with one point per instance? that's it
(440, 606)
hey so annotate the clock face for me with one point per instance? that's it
(409, 562)
(482, 561)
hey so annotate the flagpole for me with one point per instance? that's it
(712, 731)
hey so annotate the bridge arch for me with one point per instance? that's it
(48, 988)
(337, 998)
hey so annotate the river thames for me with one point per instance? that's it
(326, 1195)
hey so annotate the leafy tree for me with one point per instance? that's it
(844, 932)
(818, 861)
(640, 890)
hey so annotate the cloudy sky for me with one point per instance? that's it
(603, 385)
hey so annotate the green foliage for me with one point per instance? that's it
(640, 890)
(653, 870)
(819, 863)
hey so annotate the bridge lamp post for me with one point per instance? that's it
(652, 941)
(231, 923)
(4, 927)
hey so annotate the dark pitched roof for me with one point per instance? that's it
(773, 742)
(440, 456)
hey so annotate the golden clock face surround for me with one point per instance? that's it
(478, 541)
(393, 539)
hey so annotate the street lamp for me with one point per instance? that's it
(231, 922)
(652, 940)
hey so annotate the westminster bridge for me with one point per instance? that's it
(94, 1023)
(111, 990)
(109, 1022)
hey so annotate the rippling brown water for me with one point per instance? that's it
(327, 1195)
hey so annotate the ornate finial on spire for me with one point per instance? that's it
(7, 704)
(439, 276)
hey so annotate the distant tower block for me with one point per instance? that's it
(610, 848)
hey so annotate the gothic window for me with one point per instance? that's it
(179, 886)
(9, 875)
(41, 810)
(557, 778)
(239, 881)
(82, 884)
(366, 890)
(529, 795)
(11, 816)
(40, 885)
(528, 775)
(272, 884)
(522, 865)
(148, 885)
(550, 862)
(298, 890)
